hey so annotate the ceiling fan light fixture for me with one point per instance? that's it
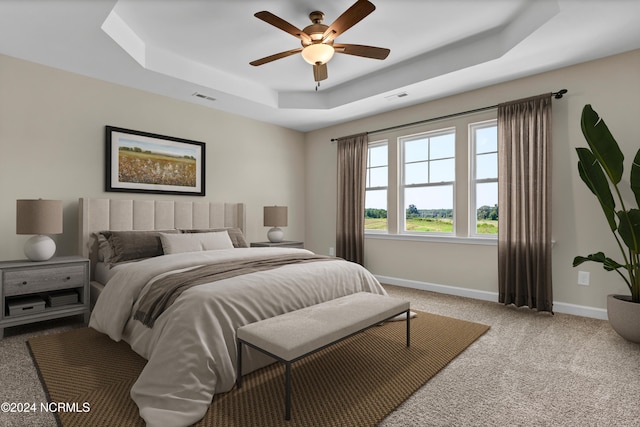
(317, 39)
(318, 53)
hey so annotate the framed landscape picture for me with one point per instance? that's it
(143, 162)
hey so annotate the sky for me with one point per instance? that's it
(160, 148)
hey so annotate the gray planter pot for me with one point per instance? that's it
(624, 317)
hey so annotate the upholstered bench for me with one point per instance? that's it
(297, 334)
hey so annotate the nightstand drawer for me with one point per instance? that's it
(50, 278)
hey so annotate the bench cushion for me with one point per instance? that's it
(294, 334)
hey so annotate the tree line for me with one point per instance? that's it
(484, 213)
(488, 212)
(140, 150)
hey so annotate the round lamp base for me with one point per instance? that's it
(39, 248)
(275, 235)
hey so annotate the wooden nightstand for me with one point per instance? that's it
(35, 291)
(283, 244)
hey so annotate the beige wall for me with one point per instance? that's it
(611, 85)
(52, 146)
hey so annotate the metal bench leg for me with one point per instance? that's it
(408, 328)
(239, 365)
(287, 407)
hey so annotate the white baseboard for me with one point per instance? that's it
(558, 307)
(580, 310)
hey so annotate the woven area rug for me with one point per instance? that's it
(357, 382)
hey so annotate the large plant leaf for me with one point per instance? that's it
(592, 175)
(635, 178)
(629, 228)
(608, 263)
(602, 144)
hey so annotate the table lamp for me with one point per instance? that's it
(275, 217)
(39, 217)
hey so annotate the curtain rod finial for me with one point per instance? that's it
(559, 94)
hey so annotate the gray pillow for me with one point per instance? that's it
(235, 234)
(125, 246)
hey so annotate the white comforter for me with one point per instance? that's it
(191, 349)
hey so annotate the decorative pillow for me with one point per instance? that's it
(104, 246)
(121, 246)
(235, 234)
(195, 242)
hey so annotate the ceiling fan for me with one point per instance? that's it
(317, 39)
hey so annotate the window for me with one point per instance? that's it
(428, 177)
(437, 183)
(375, 213)
(484, 178)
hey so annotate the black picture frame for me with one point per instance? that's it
(143, 162)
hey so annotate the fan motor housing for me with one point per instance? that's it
(317, 29)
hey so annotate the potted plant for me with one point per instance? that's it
(601, 167)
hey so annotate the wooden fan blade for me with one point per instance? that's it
(320, 72)
(280, 23)
(356, 13)
(360, 50)
(275, 56)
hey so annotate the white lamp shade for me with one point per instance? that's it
(318, 53)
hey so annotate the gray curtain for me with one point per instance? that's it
(352, 169)
(524, 200)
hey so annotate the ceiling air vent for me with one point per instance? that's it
(203, 96)
(395, 96)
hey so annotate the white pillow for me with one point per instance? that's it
(195, 242)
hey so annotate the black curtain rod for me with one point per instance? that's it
(557, 95)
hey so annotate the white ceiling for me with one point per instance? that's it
(438, 48)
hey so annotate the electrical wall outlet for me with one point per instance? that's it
(583, 278)
(332, 252)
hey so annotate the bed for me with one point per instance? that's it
(190, 341)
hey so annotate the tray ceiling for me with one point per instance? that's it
(181, 48)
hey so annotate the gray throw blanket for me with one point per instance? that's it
(164, 291)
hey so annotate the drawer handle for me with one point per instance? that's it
(24, 283)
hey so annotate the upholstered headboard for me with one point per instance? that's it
(125, 215)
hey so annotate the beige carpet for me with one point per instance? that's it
(354, 383)
(529, 369)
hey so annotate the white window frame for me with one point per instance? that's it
(375, 144)
(402, 215)
(473, 216)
